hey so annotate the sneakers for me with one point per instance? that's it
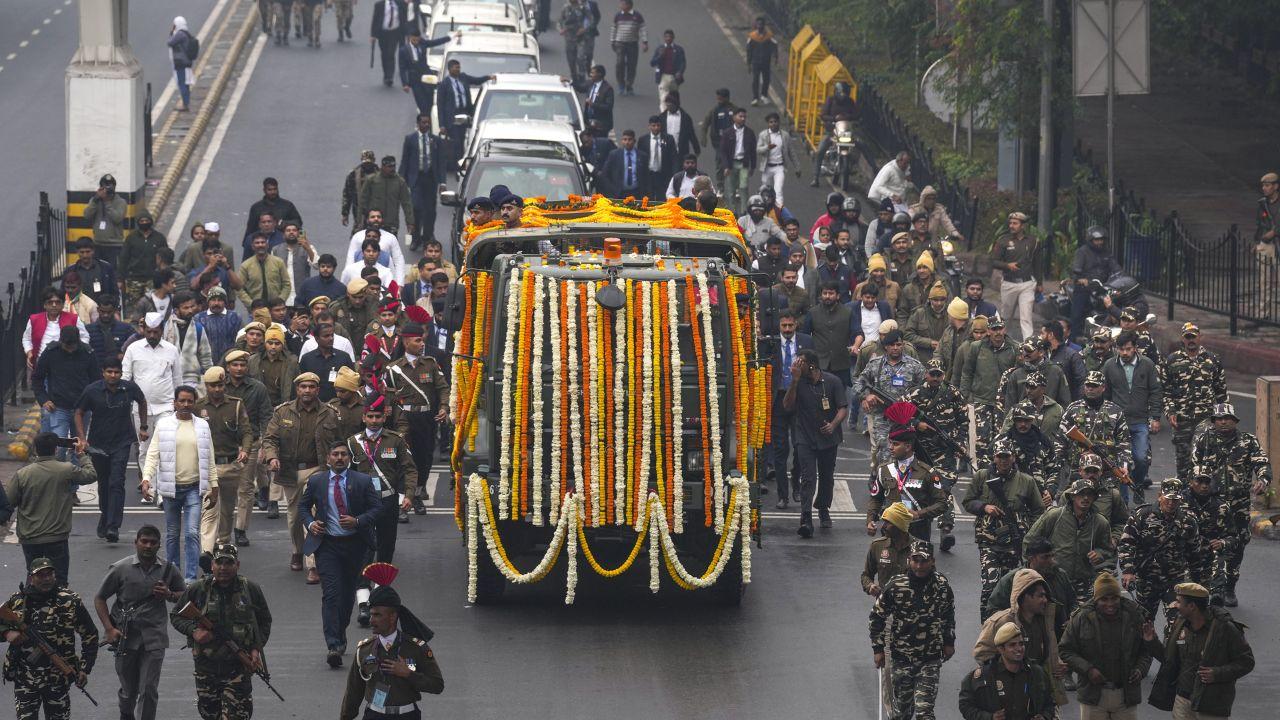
(782, 504)
(418, 507)
(755, 102)
(273, 510)
(404, 517)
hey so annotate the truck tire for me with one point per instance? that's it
(729, 589)
(490, 584)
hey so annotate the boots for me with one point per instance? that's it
(273, 510)
(1229, 596)
(242, 538)
(948, 540)
(363, 617)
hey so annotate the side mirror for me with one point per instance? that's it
(450, 198)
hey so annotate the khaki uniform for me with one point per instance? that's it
(257, 403)
(299, 438)
(400, 692)
(355, 317)
(418, 390)
(232, 432)
(277, 375)
(350, 416)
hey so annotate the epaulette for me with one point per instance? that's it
(286, 402)
(418, 641)
(365, 641)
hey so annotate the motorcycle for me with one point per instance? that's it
(1122, 290)
(840, 158)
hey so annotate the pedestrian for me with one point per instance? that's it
(275, 368)
(42, 493)
(1031, 612)
(453, 98)
(80, 303)
(398, 655)
(790, 344)
(298, 256)
(940, 225)
(1103, 644)
(47, 605)
(97, 278)
(887, 558)
(108, 404)
(718, 119)
(387, 28)
(625, 171)
(45, 328)
(1013, 383)
(338, 508)
(60, 376)
(628, 38)
(281, 19)
(154, 366)
(389, 255)
(312, 14)
(106, 213)
(661, 151)
(668, 63)
(423, 163)
(1008, 684)
(1133, 384)
(348, 403)
(575, 24)
(949, 415)
(1101, 421)
(895, 374)
(388, 193)
(774, 149)
(927, 322)
(1194, 380)
(887, 290)
(1081, 538)
(342, 15)
(264, 274)
(762, 55)
(279, 208)
(416, 386)
(679, 125)
(295, 445)
(219, 324)
(737, 147)
(985, 363)
(1038, 555)
(236, 606)
(1201, 658)
(1061, 353)
(367, 167)
(323, 283)
(891, 182)
(182, 50)
(1017, 256)
(1005, 503)
(818, 404)
(1212, 513)
(137, 260)
(1264, 238)
(324, 361)
(413, 65)
(189, 337)
(233, 438)
(108, 335)
(257, 403)
(597, 108)
(914, 622)
(136, 627)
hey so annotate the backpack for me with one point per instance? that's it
(193, 48)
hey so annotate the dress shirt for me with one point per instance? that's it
(52, 332)
(870, 323)
(788, 357)
(673, 124)
(388, 640)
(459, 96)
(339, 343)
(655, 152)
(775, 155)
(389, 19)
(595, 89)
(157, 371)
(352, 271)
(738, 133)
(424, 152)
(336, 485)
(391, 256)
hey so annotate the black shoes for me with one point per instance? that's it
(418, 507)
(795, 495)
(273, 510)
(806, 528)
(782, 504)
(948, 541)
(404, 517)
(112, 536)
(334, 659)
(1229, 598)
(824, 519)
(242, 538)
(363, 617)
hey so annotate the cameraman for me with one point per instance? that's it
(1093, 261)
(106, 213)
(1005, 502)
(217, 272)
(42, 494)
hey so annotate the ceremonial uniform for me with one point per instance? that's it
(1192, 385)
(914, 484)
(59, 616)
(1000, 538)
(387, 459)
(1236, 459)
(383, 692)
(232, 433)
(299, 438)
(418, 390)
(1161, 551)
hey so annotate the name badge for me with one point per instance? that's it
(378, 702)
(333, 374)
(898, 381)
(102, 224)
(826, 404)
(97, 286)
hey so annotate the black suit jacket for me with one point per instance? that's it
(447, 102)
(728, 143)
(614, 173)
(601, 110)
(375, 27)
(658, 181)
(687, 140)
(363, 503)
(436, 160)
(804, 341)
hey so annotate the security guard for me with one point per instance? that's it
(257, 403)
(1201, 658)
(393, 667)
(236, 606)
(295, 445)
(59, 615)
(416, 386)
(348, 403)
(355, 310)
(942, 402)
(1161, 547)
(1033, 452)
(886, 559)
(232, 441)
(1101, 420)
(907, 479)
(1100, 349)
(276, 368)
(1212, 512)
(383, 455)
(1194, 380)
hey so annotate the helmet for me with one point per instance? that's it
(1095, 232)
(901, 218)
(1125, 290)
(768, 194)
(842, 89)
(755, 202)
(851, 204)
(835, 198)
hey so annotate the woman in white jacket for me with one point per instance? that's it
(180, 464)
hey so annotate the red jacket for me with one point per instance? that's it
(40, 323)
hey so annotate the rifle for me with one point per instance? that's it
(1076, 435)
(42, 647)
(191, 612)
(921, 416)
(125, 616)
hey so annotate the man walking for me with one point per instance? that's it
(137, 260)
(109, 405)
(661, 149)
(893, 373)
(1081, 538)
(628, 38)
(985, 362)
(1133, 384)
(578, 26)
(1018, 256)
(61, 375)
(388, 193)
(790, 343)
(1007, 686)
(1265, 240)
(387, 29)
(738, 158)
(232, 433)
(1005, 503)
(415, 384)
(774, 150)
(264, 275)
(153, 365)
(137, 626)
(1103, 645)
(41, 494)
(413, 65)
(180, 464)
(1194, 380)
(762, 55)
(668, 63)
(298, 256)
(422, 165)
(1202, 657)
(818, 404)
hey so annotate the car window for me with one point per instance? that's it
(490, 63)
(556, 182)
(451, 26)
(517, 105)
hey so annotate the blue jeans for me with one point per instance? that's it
(184, 90)
(57, 422)
(1141, 434)
(183, 509)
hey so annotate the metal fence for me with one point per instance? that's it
(45, 264)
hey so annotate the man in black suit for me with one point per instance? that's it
(661, 149)
(738, 158)
(453, 98)
(788, 346)
(679, 125)
(413, 65)
(422, 165)
(339, 507)
(387, 29)
(625, 172)
(598, 105)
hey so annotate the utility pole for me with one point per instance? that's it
(1044, 182)
(1111, 120)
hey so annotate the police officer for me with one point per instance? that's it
(887, 558)
(1160, 547)
(895, 374)
(1103, 645)
(1005, 502)
(1134, 320)
(1240, 460)
(1202, 657)
(943, 403)
(1101, 421)
(1006, 686)
(236, 606)
(383, 455)
(393, 667)
(295, 445)
(257, 403)
(415, 384)
(348, 403)
(914, 620)
(232, 441)
(1212, 512)
(58, 615)
(1194, 379)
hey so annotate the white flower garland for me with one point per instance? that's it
(575, 392)
(539, 282)
(620, 370)
(742, 518)
(453, 386)
(574, 511)
(477, 491)
(646, 397)
(590, 395)
(508, 392)
(713, 403)
(677, 410)
(557, 449)
(655, 560)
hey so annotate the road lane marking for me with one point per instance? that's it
(24, 43)
(842, 498)
(48, 20)
(435, 483)
(11, 56)
(35, 32)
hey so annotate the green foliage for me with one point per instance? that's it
(960, 167)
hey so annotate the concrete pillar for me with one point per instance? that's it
(1267, 412)
(104, 100)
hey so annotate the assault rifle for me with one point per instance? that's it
(1076, 435)
(191, 612)
(942, 437)
(121, 619)
(42, 647)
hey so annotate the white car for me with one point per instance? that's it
(532, 132)
(523, 10)
(490, 53)
(513, 96)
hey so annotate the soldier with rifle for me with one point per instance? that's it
(1097, 425)
(136, 628)
(227, 623)
(40, 622)
(947, 418)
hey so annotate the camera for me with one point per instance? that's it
(66, 442)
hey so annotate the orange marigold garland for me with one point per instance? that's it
(695, 329)
(585, 427)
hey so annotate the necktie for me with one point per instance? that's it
(786, 364)
(594, 88)
(631, 171)
(457, 92)
(338, 501)
(655, 153)
(262, 265)
(422, 152)
(391, 15)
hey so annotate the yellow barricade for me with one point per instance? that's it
(826, 74)
(798, 44)
(807, 89)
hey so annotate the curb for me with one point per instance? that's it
(20, 446)
(1262, 524)
(184, 152)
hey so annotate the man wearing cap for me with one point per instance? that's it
(868, 350)
(1206, 503)
(894, 374)
(1264, 237)
(1133, 384)
(818, 405)
(1007, 685)
(1031, 610)
(105, 214)
(220, 324)
(48, 606)
(955, 334)
(904, 478)
(977, 331)
(1134, 320)
(348, 403)
(1013, 383)
(237, 606)
(1101, 421)
(943, 403)
(296, 444)
(233, 438)
(1203, 655)
(188, 336)
(416, 386)
(914, 620)
(1005, 502)
(927, 323)
(1017, 255)
(388, 193)
(887, 558)
(1194, 380)
(275, 368)
(258, 405)
(1037, 555)
(1161, 547)
(985, 363)
(353, 310)
(1042, 409)
(154, 366)
(1238, 460)
(1100, 349)
(395, 666)
(877, 274)
(1110, 503)
(1093, 260)
(1035, 449)
(367, 167)
(902, 268)
(1081, 538)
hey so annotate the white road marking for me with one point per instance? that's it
(24, 43)
(35, 32)
(215, 141)
(11, 56)
(172, 86)
(842, 498)
(48, 20)
(435, 483)
(57, 11)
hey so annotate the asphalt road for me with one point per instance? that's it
(37, 40)
(797, 643)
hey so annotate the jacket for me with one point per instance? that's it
(1226, 651)
(1083, 644)
(728, 148)
(160, 463)
(832, 333)
(1013, 387)
(948, 349)
(413, 65)
(447, 101)
(1017, 496)
(279, 208)
(687, 138)
(655, 182)
(363, 503)
(802, 341)
(390, 195)
(1072, 364)
(600, 110)
(789, 161)
(107, 217)
(1092, 264)
(61, 376)
(98, 333)
(195, 355)
(1142, 401)
(1072, 539)
(678, 62)
(42, 493)
(984, 365)
(240, 609)
(980, 698)
(889, 292)
(924, 327)
(437, 161)
(137, 260)
(613, 175)
(985, 648)
(1061, 593)
(376, 25)
(269, 279)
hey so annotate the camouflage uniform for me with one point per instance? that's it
(914, 625)
(1191, 388)
(894, 380)
(1213, 516)
(1236, 459)
(224, 688)
(1146, 345)
(944, 404)
(1036, 456)
(1000, 538)
(59, 616)
(577, 48)
(984, 365)
(1104, 426)
(1013, 389)
(1161, 551)
(923, 484)
(1093, 359)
